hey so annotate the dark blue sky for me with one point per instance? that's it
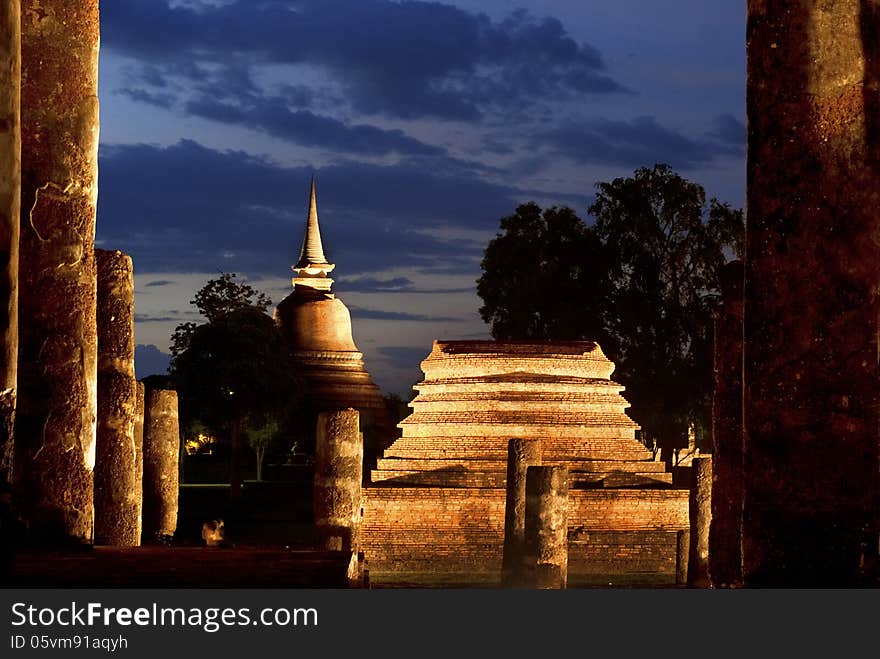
(425, 123)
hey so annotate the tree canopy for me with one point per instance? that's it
(235, 369)
(642, 280)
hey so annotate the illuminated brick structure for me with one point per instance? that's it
(436, 502)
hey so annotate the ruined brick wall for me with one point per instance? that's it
(461, 530)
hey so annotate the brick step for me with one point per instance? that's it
(494, 479)
(455, 453)
(470, 416)
(452, 464)
(500, 431)
(576, 447)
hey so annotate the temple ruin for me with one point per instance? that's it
(436, 502)
(317, 326)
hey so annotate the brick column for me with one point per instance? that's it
(139, 457)
(725, 532)
(521, 454)
(701, 518)
(682, 556)
(117, 503)
(338, 476)
(10, 203)
(812, 288)
(57, 367)
(546, 526)
(161, 449)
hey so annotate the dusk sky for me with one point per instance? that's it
(424, 123)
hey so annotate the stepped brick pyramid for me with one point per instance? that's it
(436, 501)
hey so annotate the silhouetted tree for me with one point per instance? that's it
(235, 368)
(642, 281)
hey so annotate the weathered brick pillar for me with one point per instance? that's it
(338, 471)
(161, 450)
(10, 204)
(725, 532)
(57, 366)
(701, 518)
(812, 287)
(117, 507)
(521, 454)
(546, 526)
(682, 556)
(139, 457)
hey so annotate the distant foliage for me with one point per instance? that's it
(642, 280)
(233, 371)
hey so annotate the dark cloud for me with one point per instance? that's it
(402, 59)
(159, 282)
(186, 208)
(378, 314)
(160, 100)
(374, 285)
(273, 116)
(729, 130)
(149, 360)
(638, 142)
(404, 356)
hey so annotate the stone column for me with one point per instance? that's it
(161, 450)
(10, 202)
(57, 367)
(521, 454)
(701, 518)
(338, 472)
(117, 509)
(139, 458)
(812, 288)
(546, 526)
(725, 532)
(682, 555)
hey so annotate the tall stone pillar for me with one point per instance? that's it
(701, 518)
(10, 203)
(161, 449)
(117, 507)
(812, 288)
(682, 556)
(139, 457)
(546, 527)
(55, 418)
(338, 472)
(725, 532)
(521, 454)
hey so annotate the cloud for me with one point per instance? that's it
(729, 130)
(374, 285)
(378, 314)
(165, 101)
(149, 360)
(274, 117)
(187, 208)
(632, 143)
(399, 59)
(404, 357)
(159, 282)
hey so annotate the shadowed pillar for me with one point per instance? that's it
(161, 449)
(725, 532)
(682, 554)
(10, 198)
(701, 518)
(57, 368)
(546, 527)
(117, 504)
(521, 454)
(338, 471)
(139, 457)
(811, 293)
